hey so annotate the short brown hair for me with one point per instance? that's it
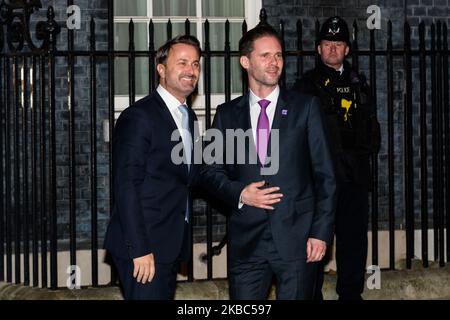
(163, 51)
(247, 40)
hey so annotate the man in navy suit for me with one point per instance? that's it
(283, 202)
(149, 229)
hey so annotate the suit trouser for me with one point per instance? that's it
(164, 282)
(251, 278)
(351, 225)
(162, 287)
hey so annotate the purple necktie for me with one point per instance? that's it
(262, 131)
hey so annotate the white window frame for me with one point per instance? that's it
(252, 10)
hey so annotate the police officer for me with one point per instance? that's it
(355, 135)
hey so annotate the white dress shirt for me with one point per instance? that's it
(255, 110)
(172, 104)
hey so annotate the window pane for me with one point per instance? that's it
(121, 39)
(236, 75)
(217, 42)
(121, 76)
(222, 8)
(130, 7)
(174, 8)
(217, 35)
(177, 29)
(218, 75)
(141, 76)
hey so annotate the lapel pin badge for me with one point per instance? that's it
(284, 112)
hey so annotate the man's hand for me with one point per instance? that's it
(315, 250)
(260, 198)
(144, 268)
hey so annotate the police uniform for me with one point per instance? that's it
(354, 133)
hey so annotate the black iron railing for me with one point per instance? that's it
(28, 149)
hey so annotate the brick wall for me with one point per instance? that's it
(306, 10)
(415, 11)
(98, 10)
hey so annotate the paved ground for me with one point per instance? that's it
(418, 283)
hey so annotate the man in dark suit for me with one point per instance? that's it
(283, 202)
(149, 229)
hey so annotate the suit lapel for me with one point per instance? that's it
(279, 119)
(172, 125)
(279, 122)
(242, 113)
(165, 112)
(243, 121)
(193, 127)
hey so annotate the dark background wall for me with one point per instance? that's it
(98, 10)
(289, 11)
(414, 11)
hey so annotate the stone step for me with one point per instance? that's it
(419, 283)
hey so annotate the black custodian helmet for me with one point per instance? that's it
(335, 29)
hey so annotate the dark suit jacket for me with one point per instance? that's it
(305, 176)
(352, 164)
(150, 191)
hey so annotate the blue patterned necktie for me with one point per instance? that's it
(187, 144)
(186, 134)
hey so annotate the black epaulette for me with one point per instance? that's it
(357, 78)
